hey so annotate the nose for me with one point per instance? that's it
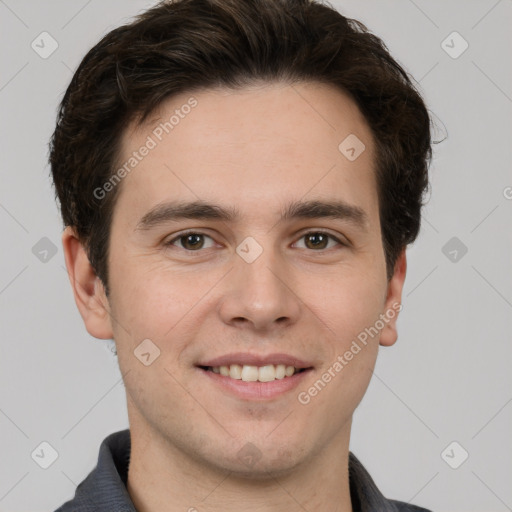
(260, 295)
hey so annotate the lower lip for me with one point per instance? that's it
(257, 390)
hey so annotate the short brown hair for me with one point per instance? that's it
(182, 45)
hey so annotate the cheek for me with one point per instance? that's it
(348, 303)
(158, 304)
(151, 306)
(149, 299)
(352, 308)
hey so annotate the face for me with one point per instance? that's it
(281, 266)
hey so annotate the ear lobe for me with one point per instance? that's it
(393, 305)
(88, 289)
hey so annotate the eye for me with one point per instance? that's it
(193, 241)
(190, 241)
(318, 240)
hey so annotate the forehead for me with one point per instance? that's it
(249, 147)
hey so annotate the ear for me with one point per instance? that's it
(89, 292)
(389, 333)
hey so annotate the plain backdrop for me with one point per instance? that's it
(443, 390)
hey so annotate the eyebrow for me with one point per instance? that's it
(201, 210)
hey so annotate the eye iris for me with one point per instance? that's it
(317, 236)
(195, 239)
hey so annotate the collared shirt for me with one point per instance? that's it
(104, 489)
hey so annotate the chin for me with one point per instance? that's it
(252, 463)
(264, 469)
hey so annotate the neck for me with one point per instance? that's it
(162, 478)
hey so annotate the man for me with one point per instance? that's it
(239, 181)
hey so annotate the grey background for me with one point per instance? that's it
(447, 379)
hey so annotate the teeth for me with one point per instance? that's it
(267, 373)
(235, 371)
(249, 373)
(280, 371)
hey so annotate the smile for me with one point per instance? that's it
(250, 373)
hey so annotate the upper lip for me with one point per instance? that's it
(244, 358)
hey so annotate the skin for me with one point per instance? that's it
(257, 149)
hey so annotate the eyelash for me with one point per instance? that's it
(316, 232)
